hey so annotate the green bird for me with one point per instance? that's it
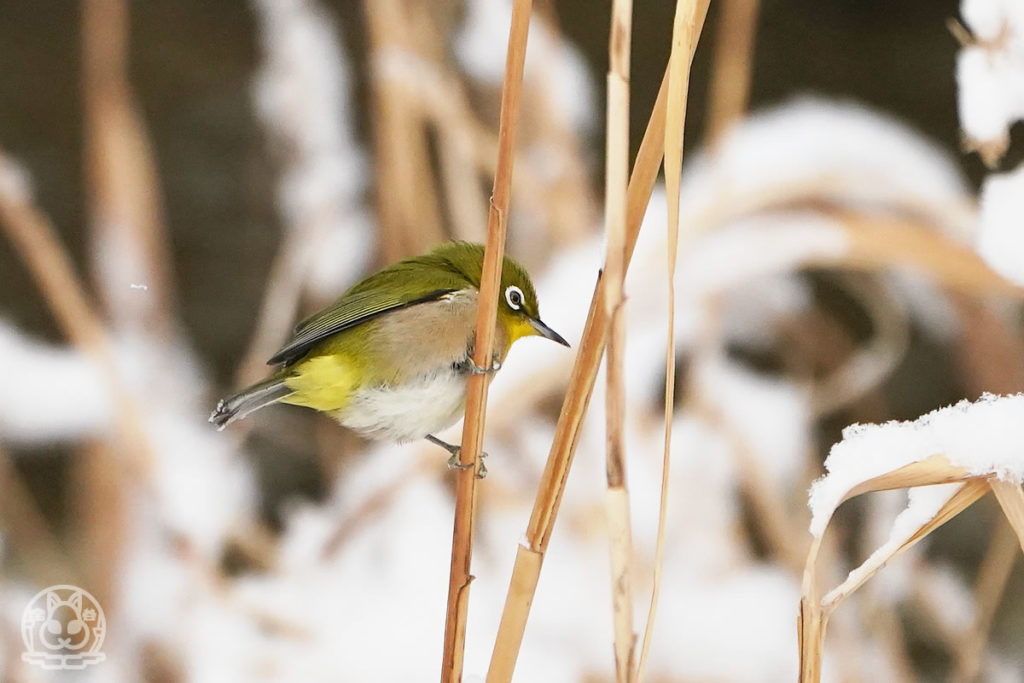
(389, 359)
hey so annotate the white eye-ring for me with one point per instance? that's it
(514, 297)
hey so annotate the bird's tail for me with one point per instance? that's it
(252, 398)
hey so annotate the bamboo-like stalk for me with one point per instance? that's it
(27, 531)
(732, 64)
(137, 288)
(815, 610)
(683, 36)
(530, 555)
(477, 385)
(989, 588)
(616, 182)
(567, 199)
(1011, 500)
(409, 212)
(124, 198)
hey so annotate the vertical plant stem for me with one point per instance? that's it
(476, 398)
(125, 208)
(410, 215)
(732, 64)
(812, 620)
(1011, 500)
(683, 37)
(989, 589)
(27, 531)
(616, 182)
(530, 556)
(125, 216)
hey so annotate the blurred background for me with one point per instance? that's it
(180, 181)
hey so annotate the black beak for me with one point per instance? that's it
(546, 332)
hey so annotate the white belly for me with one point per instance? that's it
(407, 411)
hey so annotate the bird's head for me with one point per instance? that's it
(518, 310)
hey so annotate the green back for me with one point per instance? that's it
(447, 268)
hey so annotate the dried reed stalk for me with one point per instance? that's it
(410, 215)
(732, 64)
(683, 39)
(131, 259)
(616, 182)
(1011, 500)
(989, 587)
(477, 385)
(530, 555)
(815, 610)
(566, 198)
(27, 530)
(124, 197)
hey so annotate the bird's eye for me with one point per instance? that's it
(514, 297)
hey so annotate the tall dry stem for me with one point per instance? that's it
(530, 555)
(732, 64)
(616, 182)
(815, 610)
(410, 214)
(27, 531)
(477, 385)
(989, 587)
(683, 38)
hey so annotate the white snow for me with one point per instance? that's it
(303, 93)
(49, 393)
(982, 437)
(1001, 237)
(987, 19)
(990, 74)
(923, 503)
(14, 180)
(831, 150)
(480, 47)
(772, 417)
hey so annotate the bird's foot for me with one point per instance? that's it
(475, 369)
(453, 462)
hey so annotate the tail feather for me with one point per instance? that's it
(252, 398)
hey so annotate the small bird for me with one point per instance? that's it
(389, 359)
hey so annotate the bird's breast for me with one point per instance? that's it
(409, 410)
(413, 368)
(423, 339)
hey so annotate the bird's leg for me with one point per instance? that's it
(475, 369)
(453, 461)
(470, 367)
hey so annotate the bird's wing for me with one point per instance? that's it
(350, 310)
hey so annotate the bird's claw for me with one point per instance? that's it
(454, 464)
(475, 369)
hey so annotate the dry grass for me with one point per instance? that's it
(684, 41)
(815, 609)
(616, 182)
(476, 398)
(433, 143)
